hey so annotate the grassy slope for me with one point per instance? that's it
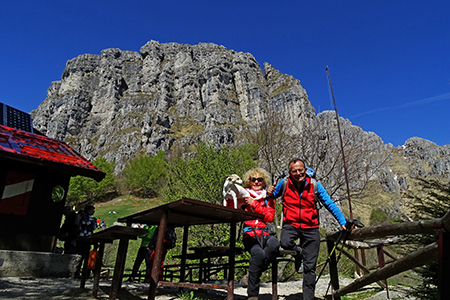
(122, 206)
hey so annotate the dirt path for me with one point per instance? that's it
(68, 288)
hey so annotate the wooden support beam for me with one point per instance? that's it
(363, 267)
(380, 231)
(411, 261)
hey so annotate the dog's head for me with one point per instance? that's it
(233, 178)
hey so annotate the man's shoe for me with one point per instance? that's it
(244, 282)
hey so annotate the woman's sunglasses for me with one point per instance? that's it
(253, 179)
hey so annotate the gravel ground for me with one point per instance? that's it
(68, 288)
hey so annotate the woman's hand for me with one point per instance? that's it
(249, 200)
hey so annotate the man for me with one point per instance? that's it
(301, 219)
(69, 231)
(143, 251)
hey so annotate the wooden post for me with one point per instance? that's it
(201, 266)
(358, 271)
(86, 247)
(98, 267)
(118, 268)
(158, 255)
(334, 276)
(363, 257)
(381, 264)
(231, 260)
(275, 279)
(444, 265)
(184, 253)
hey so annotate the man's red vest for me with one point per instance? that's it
(300, 212)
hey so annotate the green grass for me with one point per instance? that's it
(358, 296)
(122, 206)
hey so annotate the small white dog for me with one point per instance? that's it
(233, 191)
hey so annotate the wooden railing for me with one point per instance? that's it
(361, 238)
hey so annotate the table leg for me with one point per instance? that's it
(158, 255)
(118, 268)
(184, 254)
(275, 279)
(86, 247)
(98, 266)
(231, 261)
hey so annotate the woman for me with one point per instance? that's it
(262, 246)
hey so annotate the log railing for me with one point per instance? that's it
(440, 250)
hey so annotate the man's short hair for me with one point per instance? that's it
(295, 160)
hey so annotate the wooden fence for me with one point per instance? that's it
(363, 238)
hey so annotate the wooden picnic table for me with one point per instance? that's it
(184, 213)
(108, 235)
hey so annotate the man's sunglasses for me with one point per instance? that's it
(260, 179)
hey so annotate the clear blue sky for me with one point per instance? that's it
(389, 60)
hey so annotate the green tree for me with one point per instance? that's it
(82, 188)
(201, 177)
(432, 200)
(146, 173)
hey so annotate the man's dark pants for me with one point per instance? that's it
(140, 257)
(310, 243)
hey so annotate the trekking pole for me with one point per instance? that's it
(350, 224)
(344, 233)
(330, 254)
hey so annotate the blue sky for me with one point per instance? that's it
(389, 60)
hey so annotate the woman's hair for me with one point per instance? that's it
(257, 172)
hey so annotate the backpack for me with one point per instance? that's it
(170, 238)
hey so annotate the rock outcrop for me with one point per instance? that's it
(118, 103)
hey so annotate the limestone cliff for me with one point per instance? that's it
(118, 103)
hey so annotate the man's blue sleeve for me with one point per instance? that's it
(330, 205)
(277, 192)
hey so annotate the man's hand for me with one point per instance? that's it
(271, 189)
(351, 224)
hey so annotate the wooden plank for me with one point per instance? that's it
(411, 261)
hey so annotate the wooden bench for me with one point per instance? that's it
(219, 251)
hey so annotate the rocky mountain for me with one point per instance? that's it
(118, 103)
(123, 103)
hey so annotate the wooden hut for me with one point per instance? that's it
(34, 177)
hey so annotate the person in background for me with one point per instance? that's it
(69, 231)
(257, 238)
(87, 226)
(301, 219)
(169, 242)
(143, 251)
(92, 260)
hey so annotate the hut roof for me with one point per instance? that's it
(25, 147)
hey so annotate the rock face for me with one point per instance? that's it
(118, 103)
(123, 103)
